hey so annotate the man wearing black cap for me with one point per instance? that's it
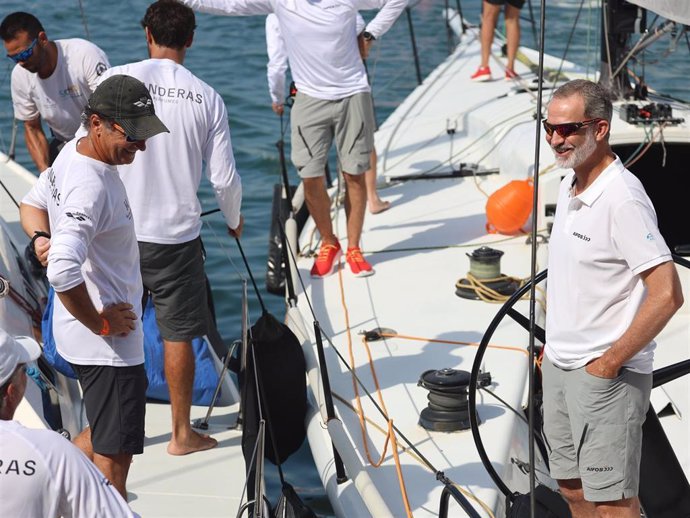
(43, 474)
(93, 265)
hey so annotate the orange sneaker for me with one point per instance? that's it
(511, 74)
(482, 74)
(327, 260)
(358, 265)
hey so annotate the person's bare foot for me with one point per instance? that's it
(196, 442)
(378, 206)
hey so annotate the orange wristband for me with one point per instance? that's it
(105, 330)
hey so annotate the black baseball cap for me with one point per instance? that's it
(127, 101)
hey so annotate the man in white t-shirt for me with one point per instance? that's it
(276, 69)
(43, 475)
(51, 81)
(162, 187)
(333, 102)
(612, 287)
(93, 265)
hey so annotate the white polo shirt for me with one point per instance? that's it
(601, 241)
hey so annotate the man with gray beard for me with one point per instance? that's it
(612, 287)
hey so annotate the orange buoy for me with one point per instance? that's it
(508, 209)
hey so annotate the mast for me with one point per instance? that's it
(620, 19)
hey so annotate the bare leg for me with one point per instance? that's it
(115, 468)
(376, 204)
(356, 200)
(83, 442)
(627, 508)
(319, 206)
(512, 33)
(179, 372)
(572, 491)
(489, 20)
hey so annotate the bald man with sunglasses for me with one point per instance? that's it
(51, 81)
(612, 287)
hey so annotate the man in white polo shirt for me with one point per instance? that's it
(51, 81)
(612, 287)
(333, 102)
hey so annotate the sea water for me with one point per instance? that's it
(230, 54)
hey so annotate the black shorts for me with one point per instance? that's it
(174, 276)
(115, 402)
(515, 3)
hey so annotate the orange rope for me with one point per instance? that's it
(454, 342)
(390, 436)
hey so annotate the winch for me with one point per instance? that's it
(485, 276)
(448, 407)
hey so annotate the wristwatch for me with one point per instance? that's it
(368, 36)
(37, 234)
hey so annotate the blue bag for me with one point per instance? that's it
(205, 375)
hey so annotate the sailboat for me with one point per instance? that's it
(420, 374)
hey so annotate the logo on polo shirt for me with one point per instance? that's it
(649, 237)
(582, 236)
(71, 91)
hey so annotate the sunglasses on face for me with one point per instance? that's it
(25, 54)
(121, 130)
(566, 129)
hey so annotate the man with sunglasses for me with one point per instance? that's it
(43, 474)
(51, 81)
(162, 186)
(93, 265)
(612, 287)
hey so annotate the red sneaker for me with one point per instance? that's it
(482, 74)
(511, 74)
(327, 261)
(358, 265)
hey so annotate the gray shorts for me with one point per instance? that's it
(115, 404)
(316, 122)
(594, 429)
(174, 276)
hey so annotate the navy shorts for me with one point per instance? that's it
(115, 402)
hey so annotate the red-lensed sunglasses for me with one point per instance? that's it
(566, 129)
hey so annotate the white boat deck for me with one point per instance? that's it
(418, 249)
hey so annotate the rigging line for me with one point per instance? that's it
(390, 437)
(451, 342)
(347, 366)
(225, 251)
(412, 455)
(474, 244)
(83, 20)
(604, 9)
(533, 266)
(9, 193)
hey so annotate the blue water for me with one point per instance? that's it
(229, 54)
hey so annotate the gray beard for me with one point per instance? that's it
(579, 154)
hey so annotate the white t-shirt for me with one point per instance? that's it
(43, 475)
(162, 182)
(278, 59)
(60, 98)
(601, 241)
(320, 38)
(92, 241)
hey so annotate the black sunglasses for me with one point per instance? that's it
(566, 129)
